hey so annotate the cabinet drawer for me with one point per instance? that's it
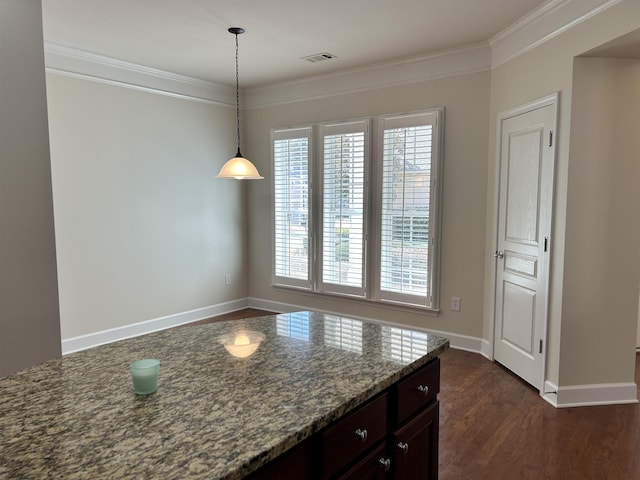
(352, 435)
(417, 390)
(371, 467)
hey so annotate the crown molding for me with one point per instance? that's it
(538, 14)
(448, 63)
(99, 68)
(537, 27)
(543, 24)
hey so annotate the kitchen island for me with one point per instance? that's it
(214, 415)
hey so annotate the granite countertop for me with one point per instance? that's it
(213, 416)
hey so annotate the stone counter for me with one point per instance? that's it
(214, 416)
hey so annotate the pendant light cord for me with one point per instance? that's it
(237, 99)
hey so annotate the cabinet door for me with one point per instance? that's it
(293, 465)
(372, 467)
(415, 447)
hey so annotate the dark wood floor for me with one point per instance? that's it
(495, 426)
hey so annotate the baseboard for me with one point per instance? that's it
(559, 397)
(84, 342)
(457, 341)
(486, 349)
(590, 395)
(550, 393)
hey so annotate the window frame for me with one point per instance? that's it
(330, 129)
(435, 118)
(371, 291)
(292, 134)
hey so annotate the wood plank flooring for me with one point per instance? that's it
(495, 426)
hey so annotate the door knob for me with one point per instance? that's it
(498, 254)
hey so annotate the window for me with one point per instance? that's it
(332, 236)
(291, 154)
(408, 192)
(343, 155)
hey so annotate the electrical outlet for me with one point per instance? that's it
(227, 279)
(455, 304)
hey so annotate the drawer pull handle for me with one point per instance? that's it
(361, 434)
(386, 463)
(423, 389)
(403, 447)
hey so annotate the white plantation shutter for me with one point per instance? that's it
(409, 188)
(291, 215)
(343, 154)
(323, 239)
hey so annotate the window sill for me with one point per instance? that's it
(338, 297)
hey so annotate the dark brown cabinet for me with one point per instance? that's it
(374, 466)
(351, 436)
(294, 465)
(394, 436)
(415, 446)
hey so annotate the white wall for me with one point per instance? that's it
(29, 321)
(107, 258)
(466, 101)
(602, 258)
(638, 331)
(144, 229)
(535, 73)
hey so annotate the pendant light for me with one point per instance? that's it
(238, 167)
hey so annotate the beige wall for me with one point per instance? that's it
(520, 81)
(466, 101)
(143, 228)
(29, 321)
(534, 74)
(144, 231)
(602, 259)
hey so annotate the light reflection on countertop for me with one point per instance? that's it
(214, 416)
(403, 345)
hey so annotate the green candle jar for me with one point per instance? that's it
(145, 375)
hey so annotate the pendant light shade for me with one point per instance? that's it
(238, 167)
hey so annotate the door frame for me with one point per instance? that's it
(549, 100)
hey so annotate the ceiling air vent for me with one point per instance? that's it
(319, 57)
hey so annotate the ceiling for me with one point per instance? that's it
(190, 38)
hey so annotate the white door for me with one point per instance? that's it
(523, 239)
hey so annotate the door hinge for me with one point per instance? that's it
(540, 348)
(551, 138)
(546, 244)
